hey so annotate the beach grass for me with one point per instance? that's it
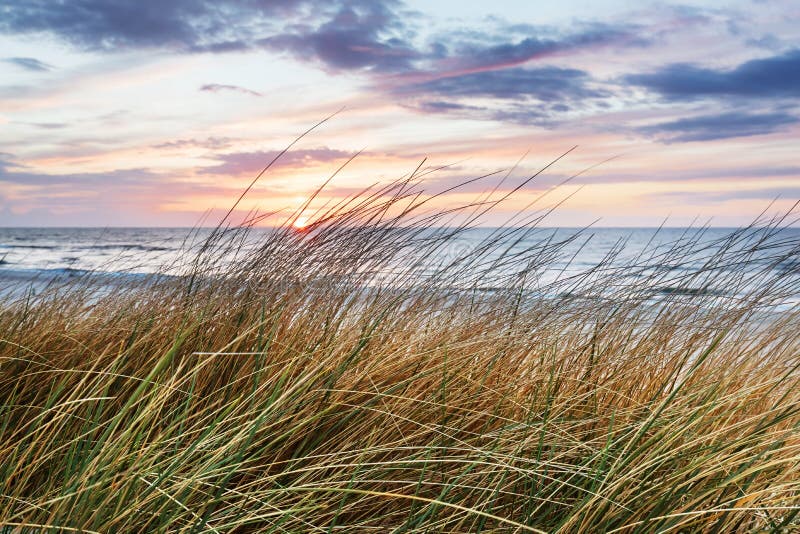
(333, 379)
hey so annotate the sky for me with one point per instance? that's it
(154, 113)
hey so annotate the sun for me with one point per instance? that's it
(300, 223)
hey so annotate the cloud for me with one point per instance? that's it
(763, 171)
(379, 36)
(376, 37)
(503, 47)
(130, 197)
(719, 126)
(453, 108)
(50, 125)
(772, 77)
(84, 188)
(440, 106)
(8, 165)
(718, 172)
(766, 194)
(219, 87)
(547, 84)
(497, 74)
(131, 177)
(341, 34)
(526, 114)
(767, 41)
(239, 163)
(28, 63)
(519, 113)
(477, 182)
(211, 143)
(357, 35)
(110, 24)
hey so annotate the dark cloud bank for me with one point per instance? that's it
(771, 77)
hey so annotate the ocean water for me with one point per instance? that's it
(671, 258)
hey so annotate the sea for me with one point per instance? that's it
(631, 253)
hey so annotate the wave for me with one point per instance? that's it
(690, 291)
(67, 273)
(106, 246)
(37, 247)
(129, 246)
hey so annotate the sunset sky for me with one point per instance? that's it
(151, 112)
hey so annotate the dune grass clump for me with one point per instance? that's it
(370, 373)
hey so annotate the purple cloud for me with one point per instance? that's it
(719, 126)
(376, 35)
(132, 177)
(547, 84)
(342, 34)
(357, 35)
(110, 25)
(532, 95)
(239, 163)
(772, 77)
(500, 49)
(440, 106)
(373, 36)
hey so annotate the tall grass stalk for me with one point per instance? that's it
(338, 379)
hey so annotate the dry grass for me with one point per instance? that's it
(332, 380)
